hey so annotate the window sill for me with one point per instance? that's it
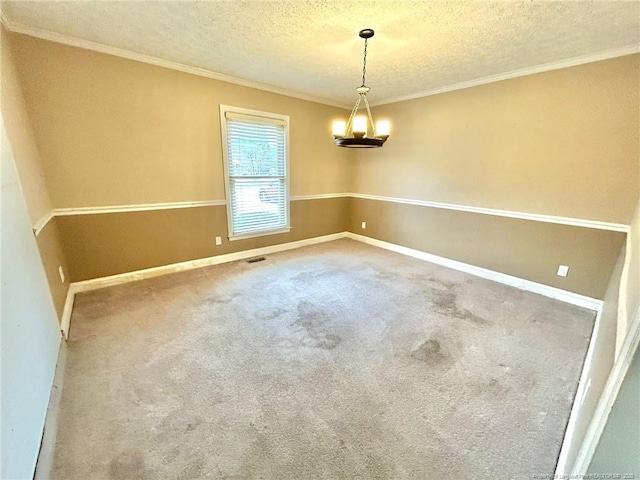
(261, 233)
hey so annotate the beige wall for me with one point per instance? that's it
(563, 143)
(52, 256)
(20, 133)
(522, 248)
(29, 165)
(598, 369)
(116, 132)
(112, 243)
(110, 131)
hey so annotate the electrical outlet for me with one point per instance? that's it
(563, 270)
(218, 240)
(61, 273)
(364, 225)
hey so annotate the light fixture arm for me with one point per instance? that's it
(366, 102)
(349, 126)
(362, 96)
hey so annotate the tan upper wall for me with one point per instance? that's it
(29, 166)
(25, 150)
(563, 143)
(113, 131)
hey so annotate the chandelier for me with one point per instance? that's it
(360, 131)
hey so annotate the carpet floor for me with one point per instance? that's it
(338, 360)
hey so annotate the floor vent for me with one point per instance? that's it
(254, 260)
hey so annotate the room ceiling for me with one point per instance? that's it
(312, 47)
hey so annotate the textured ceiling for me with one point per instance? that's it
(312, 47)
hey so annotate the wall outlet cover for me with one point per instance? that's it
(364, 225)
(218, 240)
(61, 273)
(563, 270)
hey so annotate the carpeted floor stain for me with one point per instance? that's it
(431, 353)
(338, 360)
(314, 325)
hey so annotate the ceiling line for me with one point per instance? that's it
(123, 53)
(140, 57)
(522, 72)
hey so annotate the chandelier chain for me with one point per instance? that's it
(364, 61)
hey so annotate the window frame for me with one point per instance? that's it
(260, 115)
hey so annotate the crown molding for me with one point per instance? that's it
(545, 67)
(16, 27)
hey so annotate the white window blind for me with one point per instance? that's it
(256, 169)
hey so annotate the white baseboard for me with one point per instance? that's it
(44, 464)
(563, 466)
(121, 278)
(66, 312)
(520, 283)
(201, 262)
(608, 398)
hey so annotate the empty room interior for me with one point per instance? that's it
(305, 240)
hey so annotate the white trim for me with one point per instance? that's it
(67, 310)
(623, 315)
(227, 113)
(545, 67)
(139, 57)
(96, 283)
(42, 222)
(102, 282)
(318, 196)
(119, 52)
(536, 217)
(520, 283)
(141, 207)
(144, 207)
(613, 383)
(260, 233)
(607, 400)
(583, 385)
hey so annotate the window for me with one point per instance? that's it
(255, 150)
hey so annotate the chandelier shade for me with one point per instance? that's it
(359, 131)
